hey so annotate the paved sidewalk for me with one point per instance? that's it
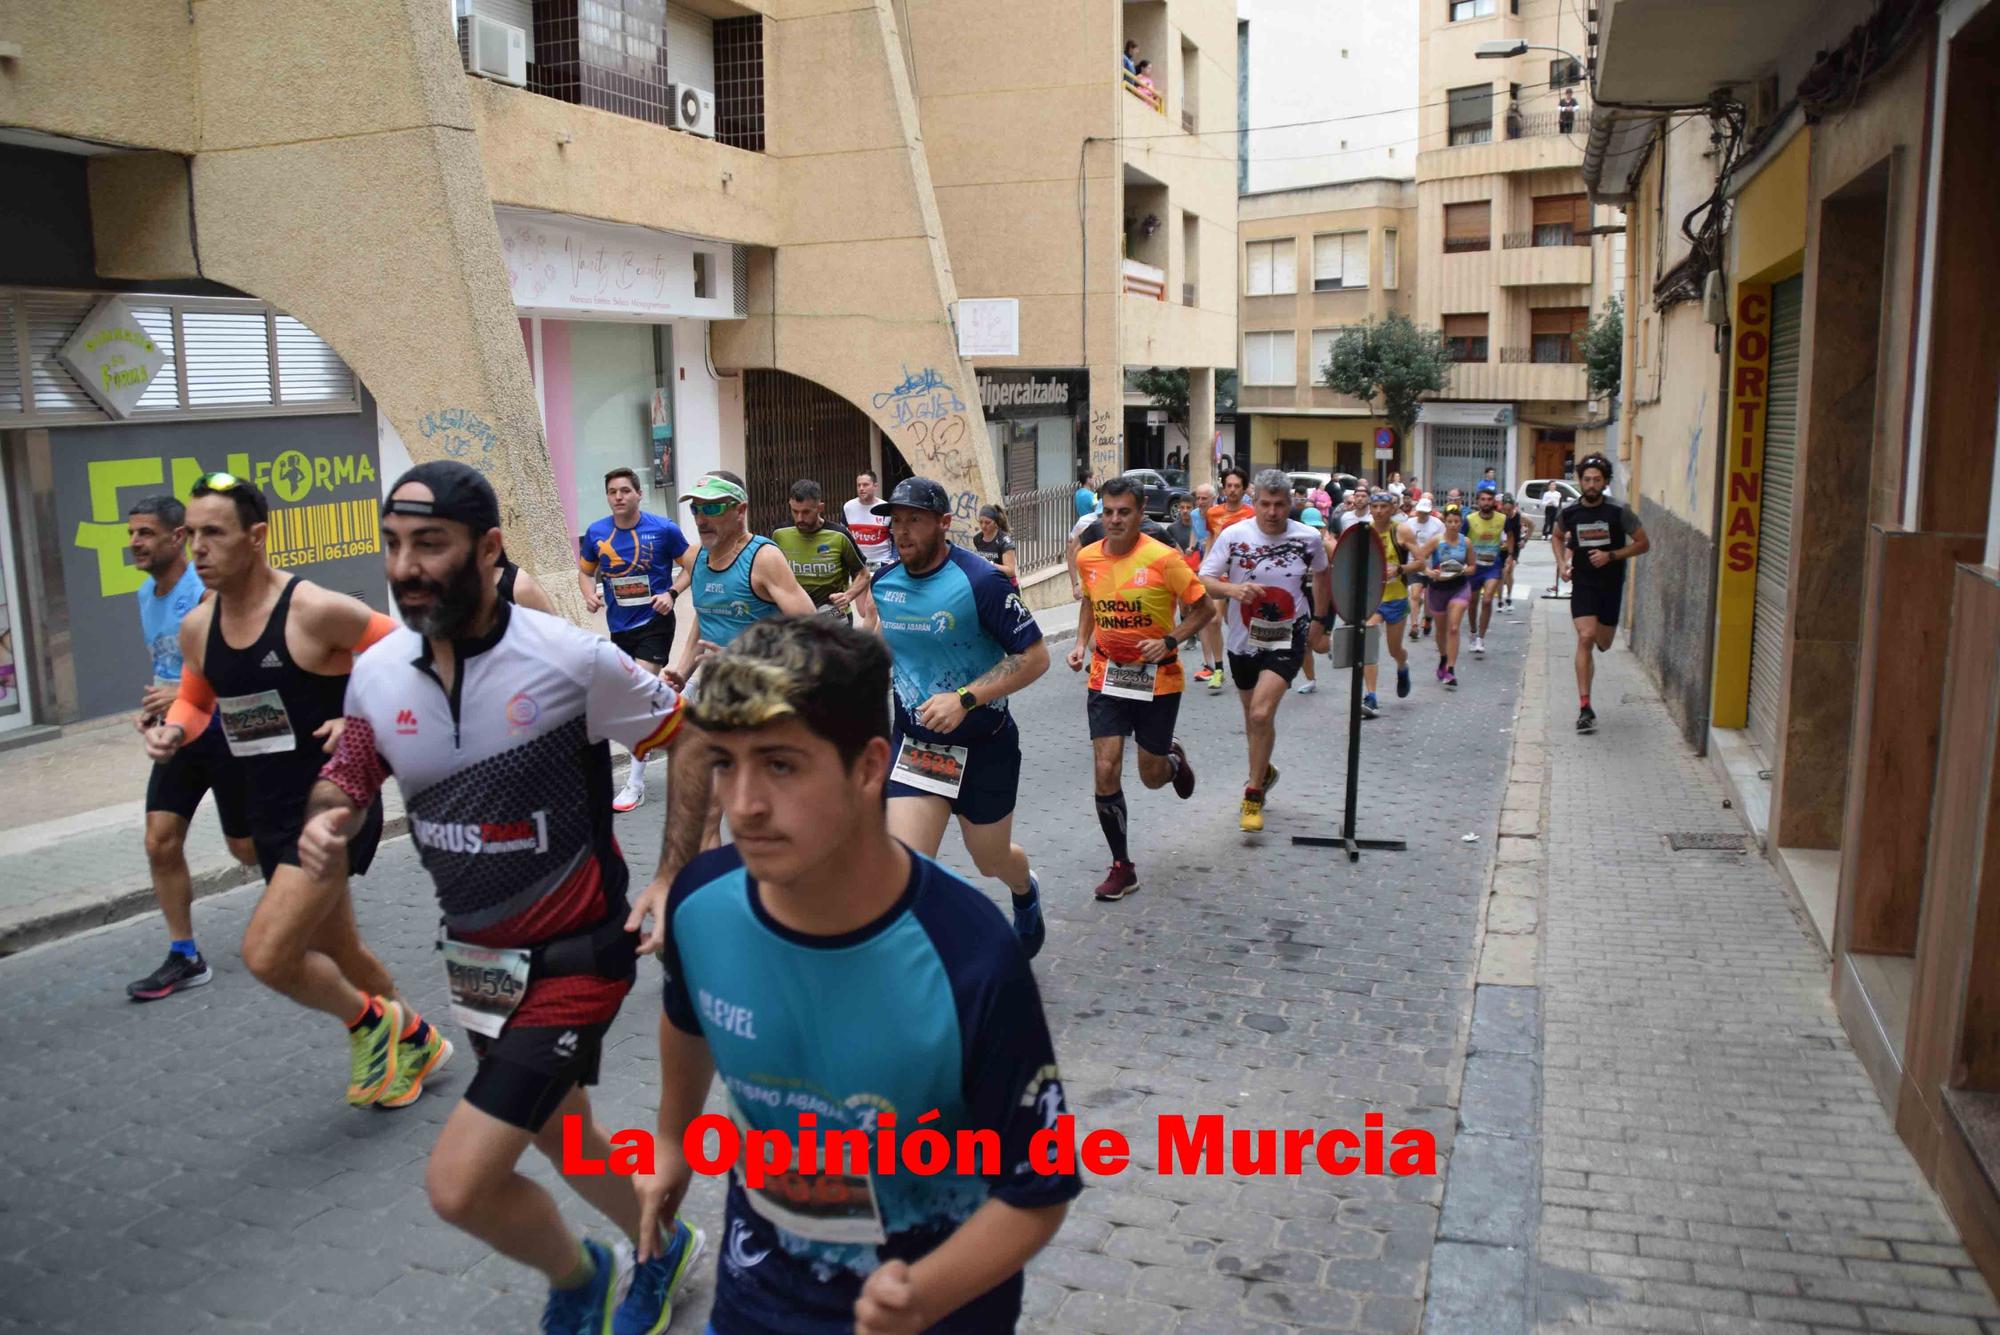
(1713, 1159)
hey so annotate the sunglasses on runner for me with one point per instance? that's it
(710, 509)
(218, 481)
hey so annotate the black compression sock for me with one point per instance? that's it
(1111, 815)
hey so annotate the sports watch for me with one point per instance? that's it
(967, 699)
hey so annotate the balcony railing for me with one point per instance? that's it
(1143, 280)
(1568, 354)
(1039, 521)
(1548, 234)
(1460, 245)
(1152, 97)
(1534, 124)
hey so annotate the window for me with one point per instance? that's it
(1340, 259)
(1292, 455)
(704, 265)
(1462, 10)
(1468, 226)
(1558, 219)
(1322, 348)
(1389, 258)
(1465, 337)
(1268, 359)
(1555, 333)
(1564, 73)
(1270, 268)
(1471, 114)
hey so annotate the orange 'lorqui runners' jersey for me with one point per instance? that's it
(1132, 600)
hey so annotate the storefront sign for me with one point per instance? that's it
(1742, 504)
(321, 475)
(113, 357)
(1053, 393)
(989, 327)
(564, 266)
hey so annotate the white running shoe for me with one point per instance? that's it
(631, 795)
(1307, 687)
(1479, 645)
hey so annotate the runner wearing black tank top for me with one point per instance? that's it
(270, 655)
(518, 587)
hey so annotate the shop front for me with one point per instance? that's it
(1033, 418)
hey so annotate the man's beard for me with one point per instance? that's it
(454, 602)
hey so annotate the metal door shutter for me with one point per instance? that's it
(1774, 521)
(1461, 454)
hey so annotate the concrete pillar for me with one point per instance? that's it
(1106, 427)
(1201, 425)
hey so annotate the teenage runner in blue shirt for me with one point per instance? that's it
(625, 567)
(823, 968)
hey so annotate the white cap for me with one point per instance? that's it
(1424, 505)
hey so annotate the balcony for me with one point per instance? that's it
(1534, 124)
(1521, 263)
(1560, 354)
(1144, 280)
(1514, 381)
(1652, 52)
(1152, 97)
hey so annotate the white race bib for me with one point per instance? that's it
(486, 985)
(1596, 533)
(827, 1206)
(632, 590)
(931, 766)
(1129, 681)
(1268, 636)
(256, 725)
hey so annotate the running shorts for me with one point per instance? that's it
(1150, 723)
(650, 643)
(276, 830)
(202, 766)
(1442, 596)
(1244, 669)
(526, 1073)
(1394, 610)
(1603, 602)
(992, 778)
(1485, 574)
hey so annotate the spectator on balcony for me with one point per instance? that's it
(1566, 111)
(1131, 59)
(1147, 89)
(1514, 126)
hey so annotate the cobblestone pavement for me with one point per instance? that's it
(190, 1164)
(1714, 1159)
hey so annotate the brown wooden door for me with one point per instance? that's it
(1552, 450)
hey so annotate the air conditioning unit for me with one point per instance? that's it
(494, 50)
(693, 109)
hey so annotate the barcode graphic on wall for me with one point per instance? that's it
(305, 534)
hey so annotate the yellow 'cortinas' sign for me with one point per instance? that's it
(1742, 504)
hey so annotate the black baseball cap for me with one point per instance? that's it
(915, 493)
(457, 492)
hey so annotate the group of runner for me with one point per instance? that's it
(822, 962)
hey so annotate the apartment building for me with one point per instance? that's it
(1508, 263)
(551, 238)
(1813, 386)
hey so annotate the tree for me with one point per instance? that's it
(1394, 361)
(1167, 387)
(1603, 348)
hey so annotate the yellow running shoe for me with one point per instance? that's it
(1253, 814)
(372, 1054)
(415, 1061)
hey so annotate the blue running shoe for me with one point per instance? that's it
(649, 1305)
(585, 1310)
(1028, 924)
(1402, 682)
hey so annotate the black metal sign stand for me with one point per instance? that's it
(1348, 839)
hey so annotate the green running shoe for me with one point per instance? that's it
(415, 1062)
(372, 1054)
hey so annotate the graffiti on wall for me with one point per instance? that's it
(921, 396)
(928, 419)
(1107, 444)
(461, 434)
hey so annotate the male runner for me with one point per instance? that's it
(1355, 509)
(1427, 529)
(1398, 560)
(829, 567)
(1486, 531)
(1605, 535)
(845, 987)
(633, 554)
(1125, 631)
(870, 534)
(1232, 509)
(496, 722)
(962, 642)
(1513, 513)
(268, 656)
(157, 527)
(517, 586)
(1261, 565)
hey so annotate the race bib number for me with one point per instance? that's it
(1270, 636)
(1130, 681)
(931, 766)
(486, 985)
(1487, 552)
(827, 1206)
(1596, 533)
(632, 590)
(256, 725)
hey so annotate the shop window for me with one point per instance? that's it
(1465, 337)
(1468, 226)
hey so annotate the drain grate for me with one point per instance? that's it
(1680, 841)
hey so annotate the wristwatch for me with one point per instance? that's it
(1173, 645)
(967, 699)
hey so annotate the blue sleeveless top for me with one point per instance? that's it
(724, 599)
(1444, 551)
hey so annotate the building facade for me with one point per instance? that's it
(1509, 263)
(776, 237)
(1328, 93)
(1814, 381)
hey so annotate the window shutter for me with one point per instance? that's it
(1326, 260)
(1354, 259)
(1465, 326)
(1471, 107)
(1259, 283)
(1565, 320)
(10, 362)
(1389, 277)
(1468, 222)
(228, 354)
(1284, 267)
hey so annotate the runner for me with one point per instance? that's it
(1355, 508)
(157, 527)
(962, 643)
(496, 722)
(1261, 564)
(1607, 535)
(1450, 593)
(1486, 530)
(1232, 509)
(839, 982)
(1309, 682)
(995, 543)
(1513, 513)
(278, 698)
(870, 534)
(633, 555)
(1427, 529)
(517, 586)
(828, 565)
(1125, 631)
(1398, 560)
(1181, 533)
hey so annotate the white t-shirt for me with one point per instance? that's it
(1281, 563)
(1426, 529)
(869, 530)
(1349, 518)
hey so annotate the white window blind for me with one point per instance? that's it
(1322, 348)
(690, 47)
(1340, 259)
(1270, 267)
(228, 358)
(1268, 358)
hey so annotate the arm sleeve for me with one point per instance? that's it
(1001, 613)
(1014, 1088)
(357, 768)
(378, 626)
(627, 704)
(193, 706)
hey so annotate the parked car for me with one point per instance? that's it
(1535, 496)
(1176, 477)
(1160, 493)
(1337, 484)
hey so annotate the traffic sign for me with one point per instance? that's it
(1385, 438)
(1358, 571)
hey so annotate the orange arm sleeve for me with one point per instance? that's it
(378, 626)
(194, 705)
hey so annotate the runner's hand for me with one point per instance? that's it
(323, 843)
(1077, 657)
(331, 730)
(1247, 593)
(1155, 651)
(652, 901)
(663, 603)
(1600, 558)
(1319, 642)
(1562, 572)
(163, 741)
(942, 712)
(593, 601)
(888, 1303)
(840, 600)
(673, 679)
(155, 701)
(660, 1196)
